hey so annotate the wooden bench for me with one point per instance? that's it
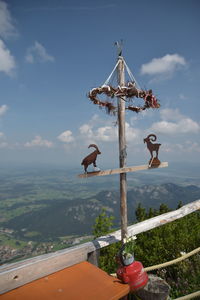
(82, 281)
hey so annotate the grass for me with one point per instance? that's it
(9, 241)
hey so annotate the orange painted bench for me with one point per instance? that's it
(82, 281)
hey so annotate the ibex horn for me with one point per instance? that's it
(153, 139)
(93, 145)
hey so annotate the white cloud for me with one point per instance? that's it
(91, 132)
(193, 146)
(3, 144)
(39, 142)
(86, 130)
(3, 109)
(108, 133)
(132, 134)
(183, 126)
(7, 61)
(185, 147)
(163, 65)
(66, 137)
(38, 53)
(7, 28)
(180, 125)
(170, 114)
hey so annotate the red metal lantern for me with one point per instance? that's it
(131, 271)
(134, 275)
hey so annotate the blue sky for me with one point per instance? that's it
(53, 52)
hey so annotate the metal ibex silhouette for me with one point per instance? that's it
(91, 158)
(150, 146)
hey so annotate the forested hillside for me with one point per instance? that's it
(62, 217)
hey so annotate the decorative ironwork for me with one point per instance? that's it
(154, 161)
(91, 158)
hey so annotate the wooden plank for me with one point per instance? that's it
(17, 274)
(20, 273)
(148, 224)
(123, 170)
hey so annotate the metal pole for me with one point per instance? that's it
(122, 150)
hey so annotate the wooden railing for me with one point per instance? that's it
(19, 273)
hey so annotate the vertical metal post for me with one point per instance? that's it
(122, 150)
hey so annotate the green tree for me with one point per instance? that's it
(180, 204)
(163, 209)
(168, 242)
(140, 213)
(104, 225)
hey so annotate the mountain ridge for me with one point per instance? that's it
(77, 216)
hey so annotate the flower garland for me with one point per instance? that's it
(128, 91)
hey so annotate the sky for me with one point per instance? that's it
(52, 53)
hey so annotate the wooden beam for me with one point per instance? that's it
(122, 170)
(122, 151)
(19, 273)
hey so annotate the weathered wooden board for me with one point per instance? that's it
(122, 170)
(20, 273)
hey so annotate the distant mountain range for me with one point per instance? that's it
(76, 217)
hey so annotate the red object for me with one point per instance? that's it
(134, 275)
